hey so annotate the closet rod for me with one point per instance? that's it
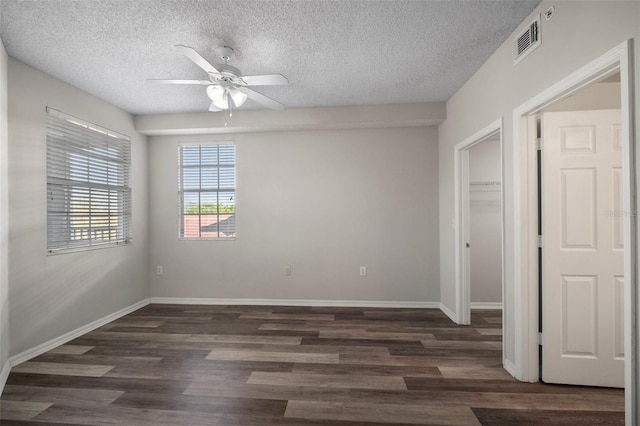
(486, 183)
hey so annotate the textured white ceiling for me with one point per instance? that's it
(335, 53)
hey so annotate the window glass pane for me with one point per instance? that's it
(227, 220)
(209, 155)
(191, 155)
(227, 177)
(191, 203)
(227, 154)
(227, 202)
(208, 202)
(209, 178)
(209, 214)
(191, 214)
(191, 178)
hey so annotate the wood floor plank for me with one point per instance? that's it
(415, 361)
(70, 397)
(136, 336)
(218, 405)
(376, 370)
(308, 326)
(490, 331)
(62, 369)
(227, 338)
(468, 373)
(501, 417)
(111, 383)
(244, 420)
(115, 415)
(71, 349)
(286, 316)
(21, 410)
(222, 388)
(433, 343)
(328, 380)
(373, 335)
(345, 341)
(384, 413)
(131, 325)
(90, 358)
(248, 355)
(328, 349)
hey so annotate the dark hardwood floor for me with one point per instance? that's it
(264, 365)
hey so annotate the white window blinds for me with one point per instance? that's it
(207, 186)
(88, 191)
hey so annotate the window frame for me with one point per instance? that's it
(72, 143)
(181, 190)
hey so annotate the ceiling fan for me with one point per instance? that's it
(227, 87)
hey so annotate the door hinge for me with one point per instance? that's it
(539, 241)
(539, 142)
(540, 339)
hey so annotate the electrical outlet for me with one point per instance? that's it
(287, 270)
(159, 270)
(363, 271)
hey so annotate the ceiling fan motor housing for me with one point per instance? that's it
(227, 73)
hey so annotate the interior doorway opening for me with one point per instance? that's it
(479, 223)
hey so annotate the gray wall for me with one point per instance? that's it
(578, 33)
(52, 295)
(324, 202)
(597, 96)
(4, 214)
(485, 223)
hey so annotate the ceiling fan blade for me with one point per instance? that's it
(265, 80)
(197, 59)
(165, 81)
(213, 108)
(262, 99)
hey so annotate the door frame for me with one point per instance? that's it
(461, 221)
(526, 217)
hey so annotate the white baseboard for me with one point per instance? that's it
(448, 312)
(61, 340)
(4, 375)
(477, 306)
(508, 365)
(294, 302)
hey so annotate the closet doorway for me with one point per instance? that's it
(485, 220)
(479, 222)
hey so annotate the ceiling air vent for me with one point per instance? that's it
(526, 41)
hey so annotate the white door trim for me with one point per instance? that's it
(461, 220)
(525, 209)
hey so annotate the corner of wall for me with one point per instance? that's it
(448, 312)
(4, 222)
(4, 375)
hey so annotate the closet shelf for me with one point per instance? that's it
(485, 186)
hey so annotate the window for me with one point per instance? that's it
(207, 182)
(88, 192)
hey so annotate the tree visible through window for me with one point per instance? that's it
(207, 190)
(88, 192)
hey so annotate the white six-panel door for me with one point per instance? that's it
(582, 260)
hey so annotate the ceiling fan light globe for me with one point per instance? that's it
(238, 96)
(216, 92)
(222, 103)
